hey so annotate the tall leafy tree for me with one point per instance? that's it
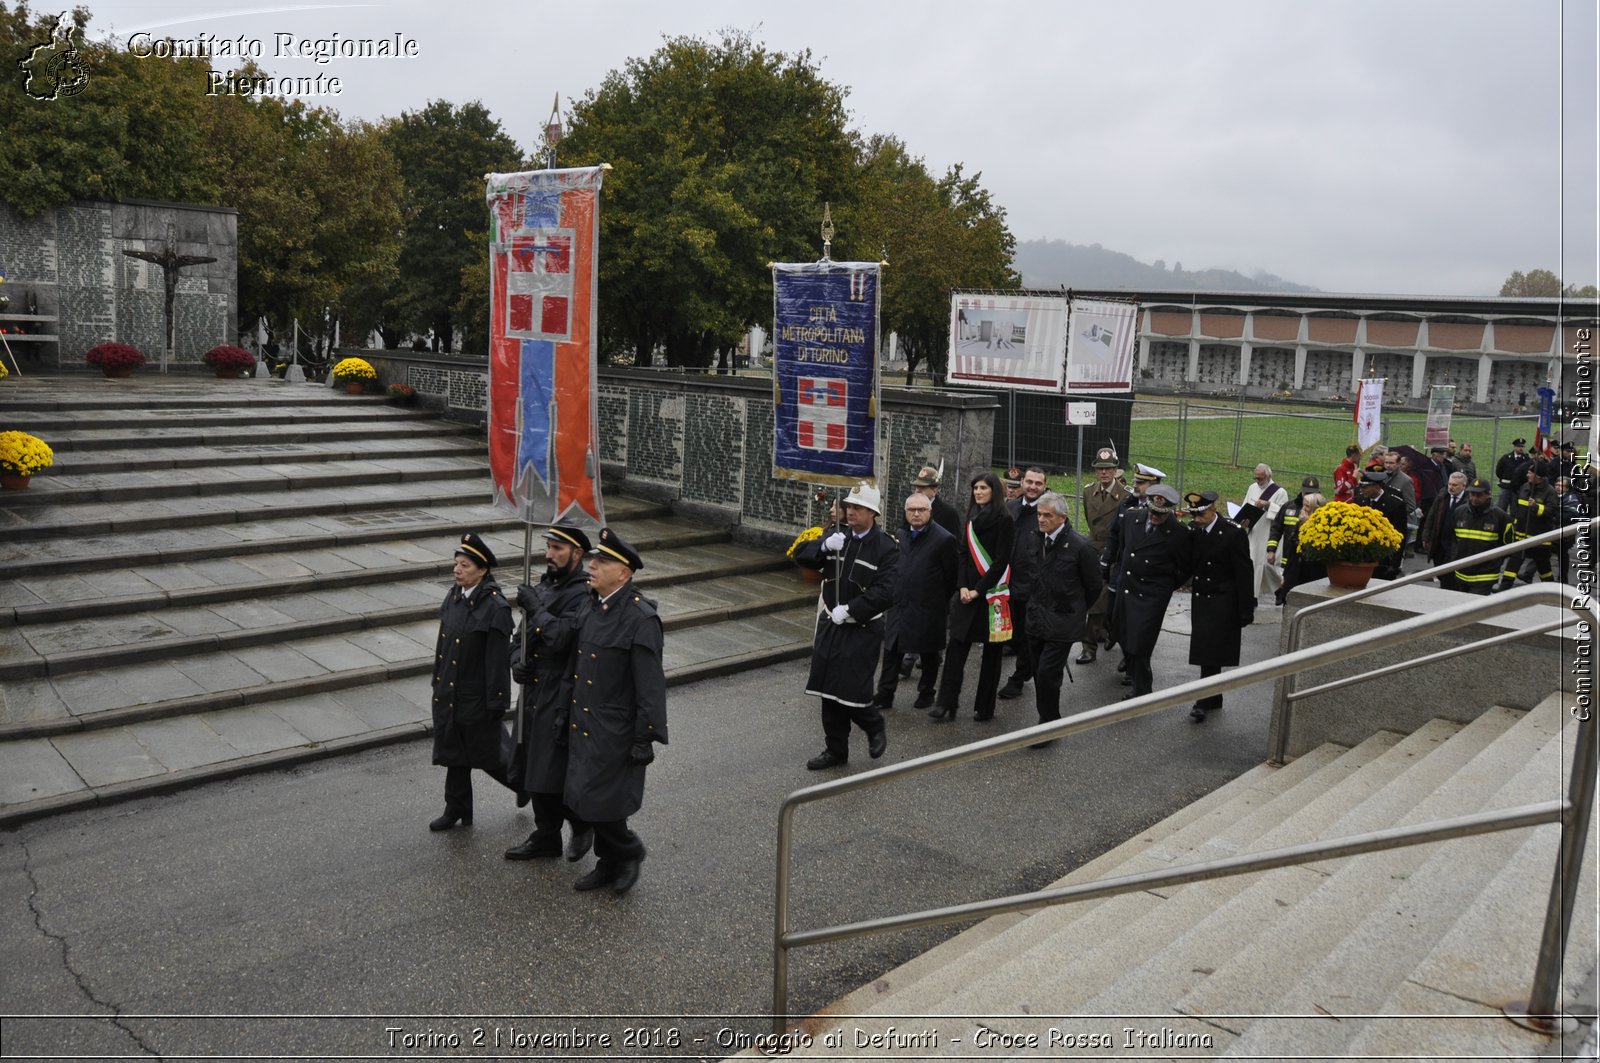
(1542, 282)
(722, 156)
(443, 151)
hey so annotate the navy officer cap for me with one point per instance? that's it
(475, 548)
(616, 548)
(566, 533)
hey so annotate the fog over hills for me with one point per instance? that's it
(1056, 263)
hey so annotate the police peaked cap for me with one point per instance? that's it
(475, 548)
(1161, 498)
(1199, 501)
(616, 548)
(566, 533)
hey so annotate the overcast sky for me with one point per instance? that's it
(1402, 146)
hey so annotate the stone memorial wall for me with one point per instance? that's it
(70, 262)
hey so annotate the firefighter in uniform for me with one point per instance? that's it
(1288, 518)
(1537, 510)
(1479, 526)
(858, 567)
(471, 679)
(619, 711)
(1101, 502)
(1221, 585)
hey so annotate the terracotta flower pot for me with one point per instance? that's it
(355, 387)
(1352, 575)
(121, 372)
(228, 374)
(15, 481)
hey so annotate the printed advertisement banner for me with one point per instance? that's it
(1018, 341)
(825, 371)
(1441, 403)
(1369, 413)
(1100, 335)
(543, 415)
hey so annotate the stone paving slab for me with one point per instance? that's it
(32, 770)
(104, 757)
(94, 459)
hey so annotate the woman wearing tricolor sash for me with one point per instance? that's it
(980, 611)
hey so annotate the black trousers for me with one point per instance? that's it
(549, 811)
(1215, 700)
(889, 674)
(836, 720)
(1139, 671)
(955, 668)
(1019, 638)
(1049, 665)
(614, 843)
(458, 788)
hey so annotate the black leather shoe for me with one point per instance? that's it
(1088, 654)
(883, 706)
(1110, 644)
(877, 743)
(450, 819)
(1197, 714)
(579, 844)
(923, 701)
(1122, 665)
(826, 759)
(534, 848)
(627, 875)
(1127, 680)
(523, 799)
(907, 663)
(1012, 689)
(942, 714)
(602, 875)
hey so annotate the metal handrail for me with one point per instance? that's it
(1573, 813)
(1282, 712)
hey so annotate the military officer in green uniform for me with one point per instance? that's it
(471, 679)
(619, 711)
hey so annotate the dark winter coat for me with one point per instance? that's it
(1024, 549)
(1477, 531)
(1151, 561)
(552, 608)
(844, 657)
(1222, 591)
(619, 699)
(471, 677)
(1392, 506)
(1066, 582)
(969, 621)
(947, 517)
(924, 580)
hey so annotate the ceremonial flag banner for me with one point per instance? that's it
(1541, 433)
(1100, 337)
(543, 415)
(1369, 413)
(825, 371)
(1015, 340)
(1441, 402)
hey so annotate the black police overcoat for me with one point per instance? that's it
(844, 657)
(1222, 587)
(551, 609)
(1066, 581)
(619, 699)
(471, 677)
(924, 580)
(1150, 561)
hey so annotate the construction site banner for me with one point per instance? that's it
(825, 371)
(1012, 340)
(543, 412)
(1100, 335)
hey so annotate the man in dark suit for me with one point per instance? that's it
(619, 712)
(924, 581)
(858, 566)
(1151, 554)
(1376, 493)
(1025, 517)
(1222, 598)
(1438, 529)
(1066, 580)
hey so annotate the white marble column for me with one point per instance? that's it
(1299, 366)
(1485, 368)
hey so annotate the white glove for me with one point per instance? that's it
(840, 614)
(834, 543)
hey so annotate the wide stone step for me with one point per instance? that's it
(181, 415)
(30, 572)
(702, 580)
(266, 478)
(27, 524)
(157, 441)
(59, 394)
(358, 645)
(320, 716)
(75, 463)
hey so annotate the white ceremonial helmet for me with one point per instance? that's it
(865, 495)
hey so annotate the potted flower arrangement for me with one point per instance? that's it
(1350, 539)
(115, 359)
(22, 455)
(354, 373)
(402, 394)
(229, 361)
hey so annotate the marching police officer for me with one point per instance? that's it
(619, 711)
(1376, 493)
(1102, 500)
(1221, 585)
(471, 679)
(1151, 554)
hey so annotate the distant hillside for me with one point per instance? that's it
(1056, 263)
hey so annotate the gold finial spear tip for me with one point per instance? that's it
(827, 229)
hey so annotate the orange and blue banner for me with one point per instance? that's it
(825, 371)
(543, 411)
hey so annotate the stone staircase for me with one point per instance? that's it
(1401, 954)
(224, 577)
